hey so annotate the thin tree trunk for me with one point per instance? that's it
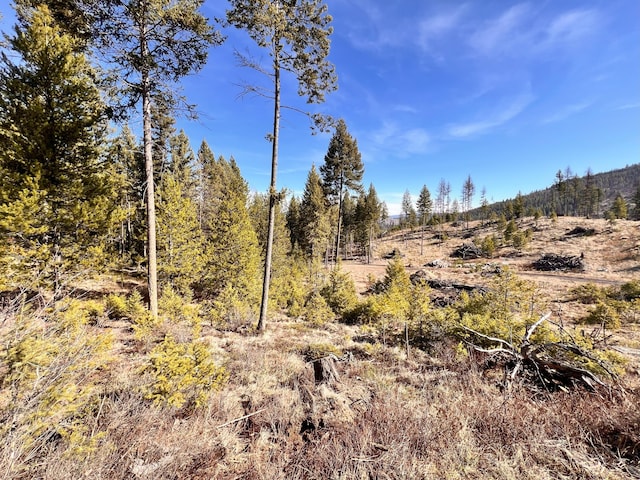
(148, 161)
(337, 252)
(262, 321)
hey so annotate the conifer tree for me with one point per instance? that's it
(232, 251)
(180, 239)
(636, 201)
(293, 222)
(468, 189)
(424, 206)
(314, 221)
(341, 172)
(57, 197)
(368, 218)
(127, 155)
(619, 208)
(296, 35)
(154, 43)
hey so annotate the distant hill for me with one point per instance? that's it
(623, 181)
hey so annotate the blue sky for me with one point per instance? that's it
(503, 91)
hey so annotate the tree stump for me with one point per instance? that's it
(324, 370)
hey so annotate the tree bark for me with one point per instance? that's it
(152, 269)
(273, 198)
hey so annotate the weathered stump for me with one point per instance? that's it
(324, 370)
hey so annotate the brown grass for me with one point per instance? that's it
(433, 416)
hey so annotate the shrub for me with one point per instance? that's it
(116, 306)
(317, 311)
(182, 372)
(488, 245)
(48, 363)
(340, 291)
(605, 315)
(588, 293)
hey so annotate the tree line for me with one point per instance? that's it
(77, 200)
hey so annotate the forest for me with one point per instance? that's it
(160, 320)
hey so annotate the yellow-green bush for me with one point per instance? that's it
(316, 310)
(182, 372)
(47, 371)
(340, 291)
(605, 315)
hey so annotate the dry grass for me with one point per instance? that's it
(432, 416)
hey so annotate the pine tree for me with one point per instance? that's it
(341, 172)
(232, 251)
(154, 43)
(619, 208)
(636, 201)
(368, 210)
(468, 189)
(424, 206)
(314, 221)
(57, 198)
(180, 239)
(293, 223)
(410, 216)
(127, 155)
(296, 35)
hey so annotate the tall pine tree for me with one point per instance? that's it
(341, 172)
(296, 36)
(57, 197)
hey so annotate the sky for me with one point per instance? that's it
(505, 92)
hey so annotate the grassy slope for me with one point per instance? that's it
(431, 416)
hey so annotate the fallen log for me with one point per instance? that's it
(551, 365)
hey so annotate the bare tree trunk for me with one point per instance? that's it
(152, 268)
(273, 201)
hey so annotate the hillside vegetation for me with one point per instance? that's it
(93, 387)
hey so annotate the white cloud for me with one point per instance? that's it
(566, 112)
(434, 27)
(572, 26)
(500, 34)
(524, 31)
(402, 141)
(496, 119)
(628, 106)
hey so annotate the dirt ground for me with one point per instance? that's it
(611, 257)
(611, 253)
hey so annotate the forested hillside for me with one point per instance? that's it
(592, 194)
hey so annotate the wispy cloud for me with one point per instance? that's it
(402, 141)
(524, 31)
(499, 34)
(566, 112)
(434, 27)
(628, 106)
(494, 120)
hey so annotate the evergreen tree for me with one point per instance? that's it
(410, 216)
(154, 43)
(293, 223)
(57, 198)
(341, 172)
(468, 189)
(424, 205)
(296, 35)
(232, 250)
(636, 201)
(314, 221)
(183, 163)
(127, 155)
(619, 208)
(204, 159)
(180, 239)
(368, 211)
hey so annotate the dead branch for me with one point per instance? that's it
(547, 364)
